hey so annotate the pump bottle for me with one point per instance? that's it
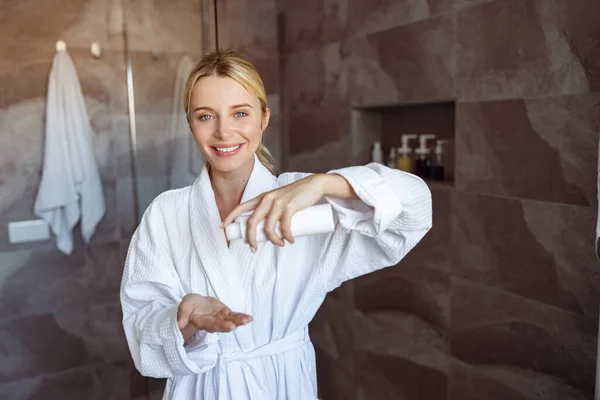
(404, 160)
(423, 162)
(437, 170)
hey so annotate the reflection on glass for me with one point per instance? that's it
(164, 40)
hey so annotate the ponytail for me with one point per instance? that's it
(265, 157)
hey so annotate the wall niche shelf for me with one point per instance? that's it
(388, 123)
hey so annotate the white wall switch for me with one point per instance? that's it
(28, 231)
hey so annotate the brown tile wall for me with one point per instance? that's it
(500, 300)
(250, 27)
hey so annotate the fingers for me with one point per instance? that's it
(270, 229)
(258, 215)
(225, 326)
(272, 206)
(286, 224)
(231, 323)
(219, 326)
(210, 323)
(221, 323)
(239, 319)
(239, 210)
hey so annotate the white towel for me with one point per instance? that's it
(186, 161)
(70, 188)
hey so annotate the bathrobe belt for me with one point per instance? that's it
(283, 345)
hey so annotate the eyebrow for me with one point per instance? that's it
(232, 107)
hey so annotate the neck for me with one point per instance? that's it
(229, 186)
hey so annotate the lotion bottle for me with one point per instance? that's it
(309, 221)
(392, 158)
(377, 154)
(437, 170)
(405, 161)
(423, 162)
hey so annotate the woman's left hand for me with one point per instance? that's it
(279, 205)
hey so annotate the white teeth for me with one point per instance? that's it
(227, 149)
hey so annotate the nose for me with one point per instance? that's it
(223, 130)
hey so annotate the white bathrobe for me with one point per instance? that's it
(179, 249)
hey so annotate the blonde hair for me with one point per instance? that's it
(229, 64)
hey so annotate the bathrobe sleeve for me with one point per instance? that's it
(392, 216)
(150, 295)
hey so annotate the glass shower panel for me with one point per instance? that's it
(165, 39)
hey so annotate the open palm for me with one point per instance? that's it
(209, 314)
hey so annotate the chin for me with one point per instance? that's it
(224, 166)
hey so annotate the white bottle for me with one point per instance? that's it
(392, 159)
(438, 151)
(309, 221)
(377, 155)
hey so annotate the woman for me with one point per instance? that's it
(229, 320)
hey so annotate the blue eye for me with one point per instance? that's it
(240, 114)
(205, 117)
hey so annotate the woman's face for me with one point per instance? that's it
(227, 122)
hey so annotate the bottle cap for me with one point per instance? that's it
(423, 140)
(405, 149)
(234, 231)
(423, 149)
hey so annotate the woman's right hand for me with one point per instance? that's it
(208, 314)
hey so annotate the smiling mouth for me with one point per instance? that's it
(226, 151)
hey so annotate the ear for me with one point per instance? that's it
(265, 118)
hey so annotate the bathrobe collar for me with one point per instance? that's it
(217, 259)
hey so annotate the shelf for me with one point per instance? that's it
(440, 185)
(389, 124)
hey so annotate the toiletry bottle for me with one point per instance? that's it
(377, 155)
(309, 221)
(404, 160)
(423, 161)
(392, 159)
(437, 170)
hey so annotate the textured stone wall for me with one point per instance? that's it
(500, 300)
